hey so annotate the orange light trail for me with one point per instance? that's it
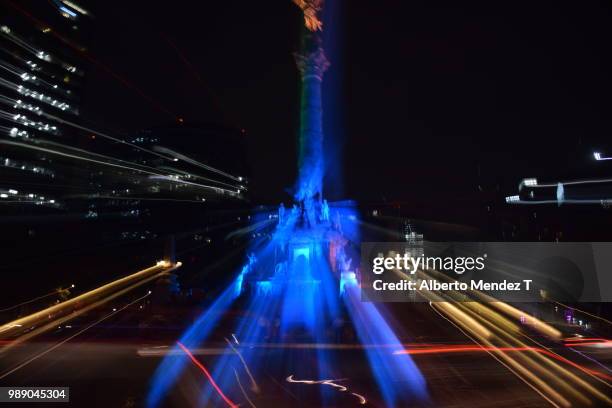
(587, 339)
(590, 343)
(472, 348)
(207, 374)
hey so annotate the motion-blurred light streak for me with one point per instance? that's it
(153, 174)
(533, 360)
(103, 135)
(290, 283)
(46, 295)
(176, 155)
(242, 390)
(207, 374)
(508, 364)
(171, 367)
(196, 176)
(332, 383)
(372, 328)
(78, 333)
(463, 348)
(254, 386)
(70, 308)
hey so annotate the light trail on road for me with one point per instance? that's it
(207, 374)
(487, 323)
(477, 348)
(57, 314)
(55, 292)
(332, 383)
(83, 330)
(537, 374)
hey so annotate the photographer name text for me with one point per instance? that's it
(435, 285)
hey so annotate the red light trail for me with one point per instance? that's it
(207, 374)
(471, 348)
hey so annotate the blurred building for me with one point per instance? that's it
(80, 204)
(40, 79)
(192, 170)
(218, 146)
(567, 203)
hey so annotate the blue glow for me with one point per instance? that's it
(560, 193)
(296, 284)
(347, 279)
(173, 364)
(292, 284)
(397, 379)
(68, 11)
(264, 288)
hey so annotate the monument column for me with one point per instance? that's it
(312, 65)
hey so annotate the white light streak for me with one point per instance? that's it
(513, 199)
(194, 162)
(599, 157)
(76, 7)
(153, 174)
(66, 122)
(332, 383)
(528, 182)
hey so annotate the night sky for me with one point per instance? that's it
(424, 100)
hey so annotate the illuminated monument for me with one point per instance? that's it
(312, 64)
(300, 279)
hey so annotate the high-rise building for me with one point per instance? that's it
(195, 170)
(83, 205)
(41, 73)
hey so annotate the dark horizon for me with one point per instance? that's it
(515, 93)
